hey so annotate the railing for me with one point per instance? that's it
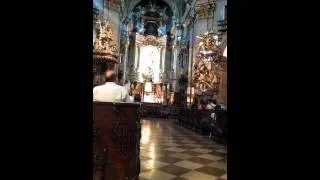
(222, 24)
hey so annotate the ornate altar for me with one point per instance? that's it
(149, 92)
(208, 64)
(151, 54)
(105, 51)
(136, 88)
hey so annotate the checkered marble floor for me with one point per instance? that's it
(171, 152)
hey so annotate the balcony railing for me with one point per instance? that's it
(222, 24)
(222, 28)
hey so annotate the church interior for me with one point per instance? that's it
(171, 55)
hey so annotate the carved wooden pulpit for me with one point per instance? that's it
(116, 147)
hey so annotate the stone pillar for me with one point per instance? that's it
(172, 65)
(175, 59)
(136, 57)
(167, 67)
(190, 60)
(161, 59)
(138, 63)
(175, 67)
(163, 51)
(125, 61)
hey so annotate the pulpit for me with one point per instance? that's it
(116, 141)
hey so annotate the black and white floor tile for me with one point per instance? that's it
(171, 152)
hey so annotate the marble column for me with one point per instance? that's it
(163, 58)
(125, 62)
(136, 58)
(167, 67)
(175, 57)
(190, 60)
(138, 63)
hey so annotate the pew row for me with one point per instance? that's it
(116, 141)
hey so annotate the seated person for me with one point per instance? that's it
(223, 107)
(110, 91)
(211, 104)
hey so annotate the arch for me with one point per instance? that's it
(171, 4)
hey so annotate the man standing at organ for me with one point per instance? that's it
(110, 91)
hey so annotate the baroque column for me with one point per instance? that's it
(191, 55)
(161, 60)
(136, 57)
(163, 51)
(125, 61)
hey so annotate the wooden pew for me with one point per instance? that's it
(116, 141)
(151, 109)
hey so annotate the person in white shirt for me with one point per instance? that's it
(211, 104)
(110, 91)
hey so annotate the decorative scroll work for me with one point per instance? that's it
(205, 10)
(104, 46)
(151, 40)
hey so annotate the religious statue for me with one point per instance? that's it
(148, 76)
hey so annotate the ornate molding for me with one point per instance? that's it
(151, 40)
(205, 10)
(113, 4)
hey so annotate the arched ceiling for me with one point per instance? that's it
(158, 9)
(177, 6)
